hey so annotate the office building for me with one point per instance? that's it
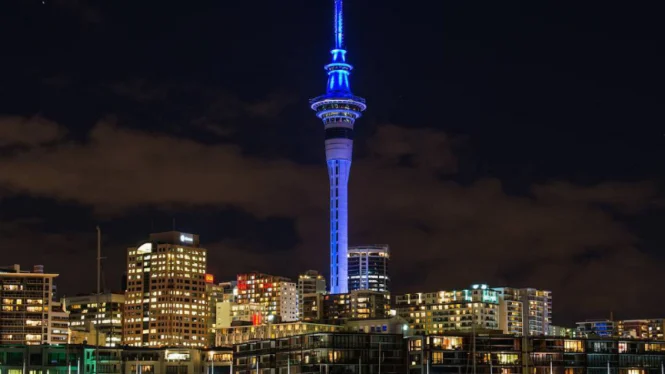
(165, 302)
(329, 352)
(338, 108)
(26, 315)
(368, 268)
(537, 308)
(339, 308)
(310, 283)
(277, 294)
(86, 316)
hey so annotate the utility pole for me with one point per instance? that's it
(473, 334)
(99, 288)
(380, 357)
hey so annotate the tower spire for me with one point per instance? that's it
(338, 108)
(339, 24)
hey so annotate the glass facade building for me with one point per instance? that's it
(323, 353)
(368, 268)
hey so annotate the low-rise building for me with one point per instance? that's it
(509, 354)
(650, 328)
(84, 359)
(604, 328)
(392, 325)
(85, 316)
(330, 352)
(244, 333)
(445, 311)
(230, 313)
(511, 310)
(338, 308)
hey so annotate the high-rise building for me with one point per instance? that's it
(310, 284)
(85, 314)
(165, 302)
(536, 308)
(277, 294)
(26, 315)
(338, 108)
(368, 268)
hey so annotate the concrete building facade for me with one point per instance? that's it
(277, 294)
(26, 316)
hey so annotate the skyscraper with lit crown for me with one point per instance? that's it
(165, 301)
(338, 108)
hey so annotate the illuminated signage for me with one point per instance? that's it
(145, 248)
(256, 319)
(185, 238)
(177, 356)
(210, 278)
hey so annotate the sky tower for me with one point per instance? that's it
(338, 109)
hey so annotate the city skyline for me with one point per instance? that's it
(500, 147)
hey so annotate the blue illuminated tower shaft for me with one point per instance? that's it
(338, 109)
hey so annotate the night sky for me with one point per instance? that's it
(508, 143)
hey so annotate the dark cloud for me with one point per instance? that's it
(560, 237)
(17, 131)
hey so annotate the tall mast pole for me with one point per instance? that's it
(99, 304)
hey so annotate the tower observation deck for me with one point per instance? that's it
(338, 108)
